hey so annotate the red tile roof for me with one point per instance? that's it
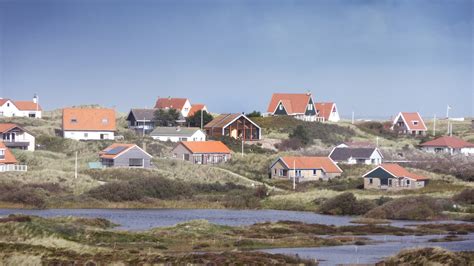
(27, 106)
(7, 127)
(89, 119)
(411, 118)
(171, 103)
(3, 101)
(205, 146)
(294, 103)
(450, 142)
(325, 109)
(9, 157)
(325, 163)
(196, 108)
(400, 172)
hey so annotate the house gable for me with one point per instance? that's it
(310, 107)
(280, 110)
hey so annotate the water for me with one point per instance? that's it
(143, 219)
(370, 254)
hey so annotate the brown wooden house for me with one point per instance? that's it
(236, 126)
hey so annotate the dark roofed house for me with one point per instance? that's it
(236, 126)
(142, 120)
(393, 176)
(356, 155)
(125, 155)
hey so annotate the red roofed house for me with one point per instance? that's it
(181, 104)
(451, 145)
(393, 176)
(202, 152)
(197, 108)
(8, 161)
(328, 111)
(409, 123)
(89, 123)
(298, 105)
(10, 108)
(14, 136)
(304, 168)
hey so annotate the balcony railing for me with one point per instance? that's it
(13, 168)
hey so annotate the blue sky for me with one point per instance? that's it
(373, 57)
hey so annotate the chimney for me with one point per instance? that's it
(178, 128)
(35, 98)
(308, 93)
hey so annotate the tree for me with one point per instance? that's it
(195, 120)
(166, 118)
(302, 134)
(254, 114)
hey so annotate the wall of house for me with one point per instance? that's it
(8, 109)
(467, 151)
(135, 153)
(186, 109)
(179, 152)
(197, 136)
(88, 135)
(301, 174)
(334, 116)
(27, 137)
(37, 114)
(412, 184)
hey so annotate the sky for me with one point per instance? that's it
(375, 58)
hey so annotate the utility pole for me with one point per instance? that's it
(447, 117)
(75, 167)
(294, 175)
(377, 140)
(353, 117)
(202, 119)
(434, 125)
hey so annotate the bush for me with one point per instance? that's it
(346, 204)
(29, 194)
(301, 133)
(465, 197)
(378, 128)
(410, 208)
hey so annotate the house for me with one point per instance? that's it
(10, 108)
(125, 155)
(236, 126)
(350, 155)
(181, 104)
(409, 123)
(447, 144)
(14, 136)
(141, 120)
(298, 105)
(175, 134)
(88, 123)
(393, 176)
(304, 168)
(202, 152)
(328, 111)
(356, 144)
(197, 108)
(8, 161)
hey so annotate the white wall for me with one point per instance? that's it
(464, 151)
(91, 135)
(9, 110)
(186, 109)
(197, 136)
(334, 116)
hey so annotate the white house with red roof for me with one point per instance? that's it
(8, 161)
(299, 105)
(393, 176)
(447, 144)
(183, 105)
(409, 124)
(11, 108)
(328, 111)
(14, 136)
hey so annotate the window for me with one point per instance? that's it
(310, 107)
(275, 171)
(372, 161)
(105, 121)
(73, 120)
(408, 182)
(298, 173)
(86, 135)
(282, 172)
(186, 157)
(135, 162)
(280, 107)
(371, 181)
(183, 139)
(8, 104)
(415, 122)
(315, 172)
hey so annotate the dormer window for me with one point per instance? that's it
(281, 107)
(73, 120)
(8, 104)
(415, 122)
(310, 107)
(105, 121)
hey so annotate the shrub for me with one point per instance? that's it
(301, 133)
(378, 128)
(466, 196)
(410, 208)
(346, 204)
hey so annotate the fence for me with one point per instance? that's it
(13, 168)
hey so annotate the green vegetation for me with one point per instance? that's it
(195, 120)
(430, 256)
(166, 118)
(346, 204)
